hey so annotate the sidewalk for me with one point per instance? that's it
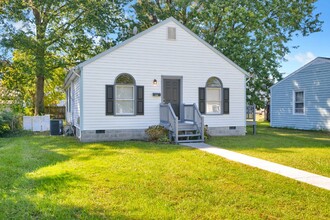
(299, 175)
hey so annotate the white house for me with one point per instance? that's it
(165, 75)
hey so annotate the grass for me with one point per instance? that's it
(43, 177)
(306, 150)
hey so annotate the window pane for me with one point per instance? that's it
(124, 107)
(125, 78)
(213, 94)
(299, 105)
(213, 107)
(299, 110)
(213, 82)
(299, 96)
(124, 92)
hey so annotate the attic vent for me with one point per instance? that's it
(171, 33)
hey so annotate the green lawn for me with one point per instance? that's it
(306, 150)
(44, 177)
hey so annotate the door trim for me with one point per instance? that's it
(181, 90)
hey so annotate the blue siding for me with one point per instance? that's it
(314, 80)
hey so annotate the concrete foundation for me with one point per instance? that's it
(139, 134)
(113, 135)
(227, 131)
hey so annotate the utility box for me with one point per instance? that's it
(56, 127)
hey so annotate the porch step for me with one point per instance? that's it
(188, 135)
(186, 127)
(185, 124)
(190, 141)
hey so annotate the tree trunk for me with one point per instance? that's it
(39, 108)
(40, 56)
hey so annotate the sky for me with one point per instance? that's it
(312, 46)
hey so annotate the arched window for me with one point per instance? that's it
(125, 78)
(124, 94)
(213, 96)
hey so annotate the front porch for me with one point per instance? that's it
(190, 127)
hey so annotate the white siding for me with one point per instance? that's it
(76, 103)
(150, 57)
(73, 116)
(68, 115)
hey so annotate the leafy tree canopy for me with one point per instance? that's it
(56, 34)
(252, 33)
(18, 79)
(50, 35)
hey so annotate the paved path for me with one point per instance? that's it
(300, 175)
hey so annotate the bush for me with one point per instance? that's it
(206, 133)
(157, 133)
(9, 122)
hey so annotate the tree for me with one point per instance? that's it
(252, 33)
(18, 78)
(57, 34)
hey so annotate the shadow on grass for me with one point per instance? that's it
(25, 187)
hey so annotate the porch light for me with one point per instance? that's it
(155, 82)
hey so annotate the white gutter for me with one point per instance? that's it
(76, 73)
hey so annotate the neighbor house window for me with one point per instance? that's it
(299, 105)
(124, 94)
(213, 96)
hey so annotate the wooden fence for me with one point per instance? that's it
(55, 112)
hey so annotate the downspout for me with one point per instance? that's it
(75, 71)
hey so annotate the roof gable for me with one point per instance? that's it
(153, 28)
(313, 62)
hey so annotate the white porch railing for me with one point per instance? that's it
(192, 114)
(169, 120)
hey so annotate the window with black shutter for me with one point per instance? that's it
(225, 100)
(213, 99)
(140, 100)
(109, 100)
(201, 100)
(124, 98)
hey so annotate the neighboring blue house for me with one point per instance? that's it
(302, 99)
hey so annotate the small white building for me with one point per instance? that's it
(165, 75)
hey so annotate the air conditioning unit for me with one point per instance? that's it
(56, 127)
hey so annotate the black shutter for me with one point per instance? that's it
(201, 100)
(225, 100)
(140, 100)
(109, 100)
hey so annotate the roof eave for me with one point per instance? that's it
(73, 73)
(298, 70)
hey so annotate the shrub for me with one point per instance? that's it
(157, 133)
(206, 133)
(9, 122)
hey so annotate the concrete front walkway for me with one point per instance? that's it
(299, 175)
